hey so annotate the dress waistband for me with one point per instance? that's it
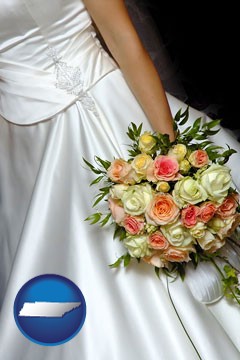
(29, 94)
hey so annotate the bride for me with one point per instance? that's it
(62, 98)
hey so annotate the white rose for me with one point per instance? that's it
(118, 190)
(209, 241)
(177, 234)
(216, 180)
(137, 246)
(188, 191)
(136, 199)
(215, 224)
(198, 231)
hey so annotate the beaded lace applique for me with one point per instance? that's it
(69, 78)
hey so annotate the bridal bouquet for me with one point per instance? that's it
(171, 203)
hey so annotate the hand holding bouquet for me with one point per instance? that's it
(172, 202)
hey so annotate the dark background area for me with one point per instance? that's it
(204, 45)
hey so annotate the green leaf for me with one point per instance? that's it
(95, 170)
(212, 132)
(104, 163)
(214, 147)
(139, 130)
(105, 219)
(226, 155)
(211, 124)
(177, 117)
(99, 198)
(116, 264)
(94, 218)
(197, 123)
(127, 259)
(157, 271)
(205, 143)
(200, 137)
(119, 232)
(186, 130)
(97, 180)
(184, 116)
(181, 270)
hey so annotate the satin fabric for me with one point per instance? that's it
(45, 197)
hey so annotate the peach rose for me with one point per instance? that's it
(116, 209)
(229, 206)
(132, 178)
(164, 167)
(198, 158)
(216, 245)
(133, 224)
(230, 224)
(158, 241)
(162, 210)
(207, 211)
(155, 260)
(189, 215)
(118, 170)
(173, 254)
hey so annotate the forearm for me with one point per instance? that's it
(143, 79)
(114, 24)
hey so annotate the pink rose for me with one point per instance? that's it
(133, 224)
(228, 207)
(189, 216)
(174, 254)
(207, 211)
(158, 241)
(164, 167)
(198, 158)
(118, 170)
(162, 210)
(116, 209)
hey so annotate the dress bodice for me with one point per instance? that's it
(49, 54)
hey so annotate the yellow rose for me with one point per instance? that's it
(184, 166)
(163, 186)
(140, 163)
(179, 151)
(146, 142)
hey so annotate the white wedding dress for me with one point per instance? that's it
(63, 98)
